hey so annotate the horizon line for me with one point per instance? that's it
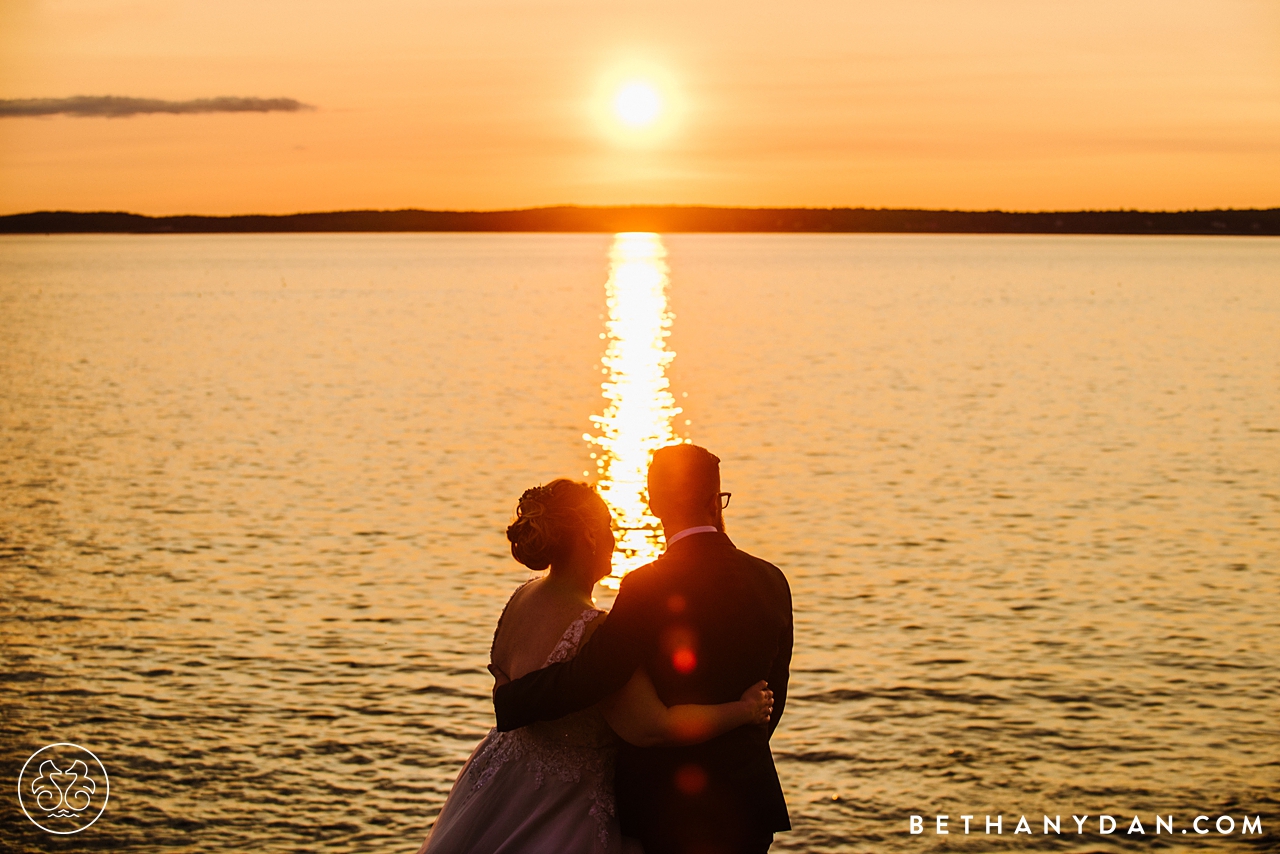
(665, 219)
(656, 206)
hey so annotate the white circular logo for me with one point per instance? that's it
(63, 788)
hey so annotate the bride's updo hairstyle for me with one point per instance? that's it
(548, 518)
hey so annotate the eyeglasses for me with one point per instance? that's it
(721, 497)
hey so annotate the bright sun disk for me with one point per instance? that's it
(637, 104)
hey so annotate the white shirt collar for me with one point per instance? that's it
(687, 532)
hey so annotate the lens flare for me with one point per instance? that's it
(640, 407)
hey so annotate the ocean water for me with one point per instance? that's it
(1026, 491)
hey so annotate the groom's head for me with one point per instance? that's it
(684, 487)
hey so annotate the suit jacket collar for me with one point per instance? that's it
(696, 542)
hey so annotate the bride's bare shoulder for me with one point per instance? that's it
(521, 592)
(511, 612)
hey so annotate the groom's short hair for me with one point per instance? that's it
(683, 475)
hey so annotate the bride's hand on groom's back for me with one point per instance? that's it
(758, 701)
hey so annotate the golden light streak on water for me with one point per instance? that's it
(637, 418)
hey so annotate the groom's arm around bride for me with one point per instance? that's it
(706, 621)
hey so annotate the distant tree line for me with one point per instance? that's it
(665, 219)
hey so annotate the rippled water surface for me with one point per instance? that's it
(1025, 489)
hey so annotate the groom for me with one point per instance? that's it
(706, 621)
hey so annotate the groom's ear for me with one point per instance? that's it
(656, 505)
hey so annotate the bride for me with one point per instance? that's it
(549, 787)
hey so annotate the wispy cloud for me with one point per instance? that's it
(114, 106)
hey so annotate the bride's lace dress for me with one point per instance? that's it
(542, 788)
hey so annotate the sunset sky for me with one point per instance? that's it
(482, 104)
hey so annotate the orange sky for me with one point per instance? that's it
(479, 104)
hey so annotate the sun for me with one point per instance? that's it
(637, 104)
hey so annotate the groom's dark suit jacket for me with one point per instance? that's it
(706, 621)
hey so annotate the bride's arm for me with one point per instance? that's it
(639, 717)
(499, 676)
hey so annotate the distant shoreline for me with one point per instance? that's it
(667, 219)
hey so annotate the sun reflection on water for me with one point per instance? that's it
(637, 418)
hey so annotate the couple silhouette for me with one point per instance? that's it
(646, 728)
